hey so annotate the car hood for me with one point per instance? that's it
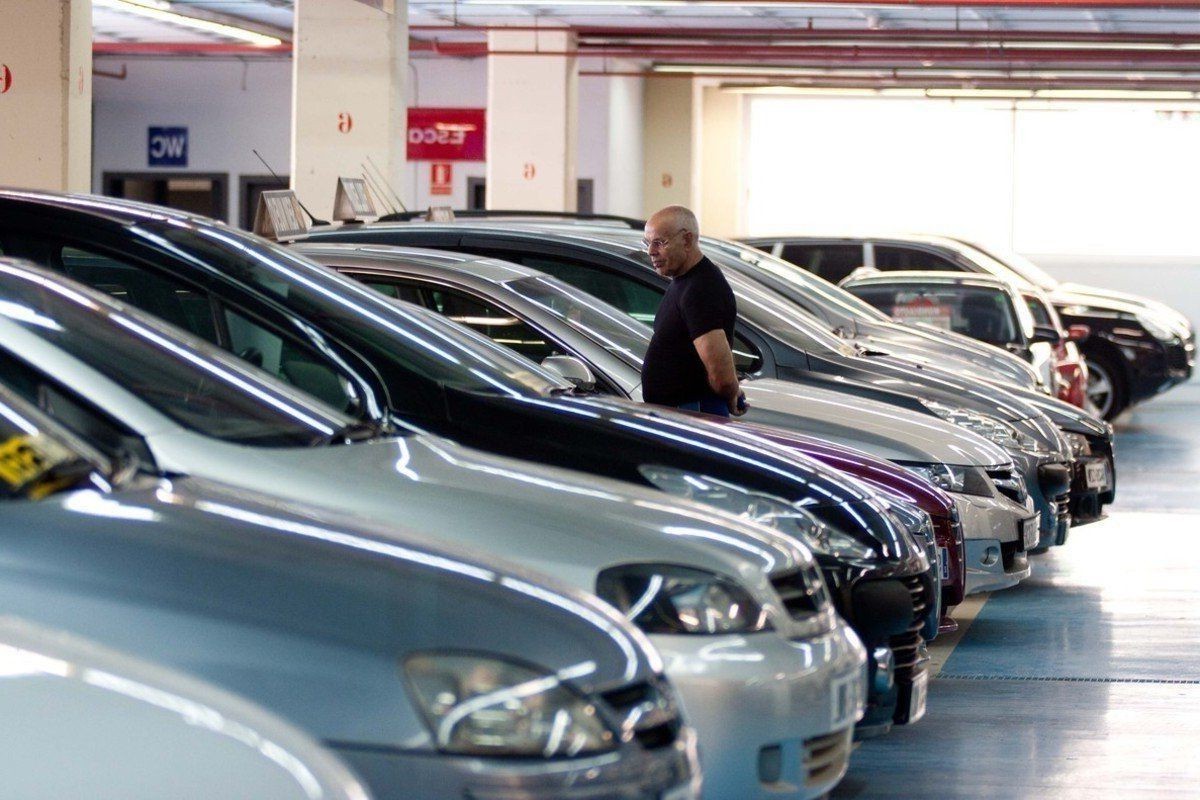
(554, 521)
(189, 562)
(1071, 294)
(878, 473)
(989, 362)
(880, 429)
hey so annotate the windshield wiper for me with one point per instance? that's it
(358, 431)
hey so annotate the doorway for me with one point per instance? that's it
(250, 188)
(585, 189)
(203, 193)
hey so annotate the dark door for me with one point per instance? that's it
(203, 193)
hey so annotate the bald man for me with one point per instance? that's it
(689, 363)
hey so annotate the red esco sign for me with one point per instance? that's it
(5, 78)
(446, 134)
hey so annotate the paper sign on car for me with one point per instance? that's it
(912, 307)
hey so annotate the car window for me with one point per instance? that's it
(889, 258)
(1041, 315)
(979, 312)
(167, 298)
(492, 321)
(199, 387)
(75, 413)
(397, 291)
(631, 296)
(747, 359)
(289, 361)
(833, 262)
(412, 338)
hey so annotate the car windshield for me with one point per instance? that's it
(805, 281)
(1001, 261)
(772, 314)
(421, 340)
(981, 312)
(606, 325)
(198, 386)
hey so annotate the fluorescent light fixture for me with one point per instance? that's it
(161, 11)
(1015, 93)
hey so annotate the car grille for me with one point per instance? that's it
(1010, 484)
(648, 711)
(802, 591)
(826, 757)
(906, 647)
(1180, 356)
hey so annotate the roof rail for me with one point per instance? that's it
(483, 213)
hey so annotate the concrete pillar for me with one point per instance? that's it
(532, 119)
(46, 94)
(671, 139)
(349, 95)
(625, 142)
(722, 207)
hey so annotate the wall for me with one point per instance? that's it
(669, 144)
(441, 82)
(230, 108)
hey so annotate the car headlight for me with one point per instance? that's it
(774, 512)
(914, 520)
(1079, 444)
(666, 598)
(962, 480)
(1155, 328)
(484, 706)
(994, 430)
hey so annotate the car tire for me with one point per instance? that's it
(1107, 386)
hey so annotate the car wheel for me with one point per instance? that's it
(1106, 385)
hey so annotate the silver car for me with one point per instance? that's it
(83, 721)
(431, 673)
(706, 585)
(544, 318)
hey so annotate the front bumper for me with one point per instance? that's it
(1048, 481)
(774, 717)
(631, 773)
(1093, 481)
(996, 532)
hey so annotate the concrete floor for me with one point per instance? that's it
(1084, 681)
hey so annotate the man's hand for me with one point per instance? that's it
(714, 351)
(741, 406)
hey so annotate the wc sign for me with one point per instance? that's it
(167, 147)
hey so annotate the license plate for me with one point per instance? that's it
(845, 700)
(1096, 474)
(1031, 531)
(916, 702)
(944, 562)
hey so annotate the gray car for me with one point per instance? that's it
(432, 674)
(700, 581)
(83, 721)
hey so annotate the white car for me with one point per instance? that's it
(82, 721)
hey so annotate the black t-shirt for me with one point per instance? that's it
(697, 302)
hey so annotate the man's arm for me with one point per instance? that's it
(714, 351)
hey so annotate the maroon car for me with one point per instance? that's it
(893, 481)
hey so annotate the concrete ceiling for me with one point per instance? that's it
(1117, 42)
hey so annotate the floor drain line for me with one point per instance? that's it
(1043, 679)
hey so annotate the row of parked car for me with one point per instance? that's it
(392, 483)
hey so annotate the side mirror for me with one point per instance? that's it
(572, 370)
(1078, 333)
(1047, 334)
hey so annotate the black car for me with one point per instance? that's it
(1136, 350)
(380, 359)
(775, 338)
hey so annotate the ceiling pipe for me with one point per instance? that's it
(186, 49)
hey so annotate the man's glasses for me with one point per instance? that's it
(658, 244)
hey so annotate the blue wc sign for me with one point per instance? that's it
(167, 147)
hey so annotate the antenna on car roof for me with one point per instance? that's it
(383, 179)
(377, 190)
(313, 220)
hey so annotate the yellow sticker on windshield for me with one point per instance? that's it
(20, 462)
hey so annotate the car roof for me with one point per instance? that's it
(382, 256)
(929, 276)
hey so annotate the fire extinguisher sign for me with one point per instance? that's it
(441, 178)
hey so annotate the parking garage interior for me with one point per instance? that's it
(1054, 133)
